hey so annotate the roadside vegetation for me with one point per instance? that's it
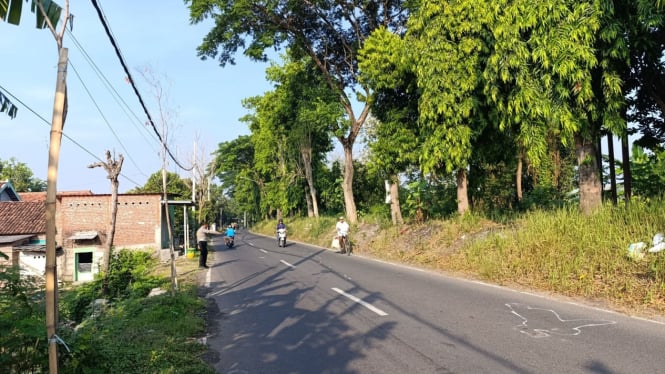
(129, 333)
(560, 251)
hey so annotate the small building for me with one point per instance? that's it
(23, 236)
(82, 220)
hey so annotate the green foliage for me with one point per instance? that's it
(449, 44)
(10, 11)
(648, 172)
(429, 199)
(329, 185)
(141, 335)
(368, 186)
(23, 343)
(20, 176)
(133, 334)
(176, 188)
(128, 274)
(76, 303)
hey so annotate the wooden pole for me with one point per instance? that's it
(51, 273)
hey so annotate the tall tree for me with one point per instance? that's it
(307, 109)
(449, 42)
(395, 138)
(234, 161)
(558, 61)
(330, 33)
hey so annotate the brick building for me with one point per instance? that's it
(82, 220)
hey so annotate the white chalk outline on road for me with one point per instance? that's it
(361, 302)
(287, 264)
(565, 327)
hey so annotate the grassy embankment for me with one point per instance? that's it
(561, 252)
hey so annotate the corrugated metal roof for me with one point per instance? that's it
(13, 238)
(84, 235)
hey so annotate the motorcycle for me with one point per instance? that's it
(281, 237)
(229, 241)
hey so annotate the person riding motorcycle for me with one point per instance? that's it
(230, 234)
(280, 226)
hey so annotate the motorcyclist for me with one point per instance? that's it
(280, 225)
(230, 234)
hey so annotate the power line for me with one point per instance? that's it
(16, 99)
(94, 102)
(114, 93)
(131, 81)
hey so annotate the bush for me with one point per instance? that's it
(23, 344)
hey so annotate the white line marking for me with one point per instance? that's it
(263, 250)
(547, 322)
(287, 264)
(361, 302)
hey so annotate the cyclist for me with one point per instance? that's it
(342, 232)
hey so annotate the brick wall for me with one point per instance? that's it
(137, 222)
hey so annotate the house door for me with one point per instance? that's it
(84, 267)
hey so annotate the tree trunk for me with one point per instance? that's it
(462, 192)
(111, 233)
(589, 175)
(395, 210)
(518, 177)
(599, 162)
(627, 175)
(308, 201)
(113, 169)
(347, 184)
(307, 165)
(613, 175)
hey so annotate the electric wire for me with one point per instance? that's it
(94, 102)
(131, 81)
(142, 130)
(16, 99)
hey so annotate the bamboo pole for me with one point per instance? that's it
(51, 273)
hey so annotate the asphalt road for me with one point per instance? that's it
(308, 310)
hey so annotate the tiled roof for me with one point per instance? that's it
(22, 217)
(32, 196)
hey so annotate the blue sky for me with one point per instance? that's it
(202, 100)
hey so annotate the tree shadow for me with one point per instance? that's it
(305, 329)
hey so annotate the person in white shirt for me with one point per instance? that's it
(202, 243)
(342, 232)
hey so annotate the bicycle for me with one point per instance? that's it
(345, 245)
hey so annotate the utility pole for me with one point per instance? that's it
(51, 273)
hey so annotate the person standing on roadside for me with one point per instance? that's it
(202, 243)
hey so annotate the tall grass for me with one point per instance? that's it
(577, 255)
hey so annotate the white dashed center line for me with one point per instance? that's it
(361, 302)
(287, 264)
